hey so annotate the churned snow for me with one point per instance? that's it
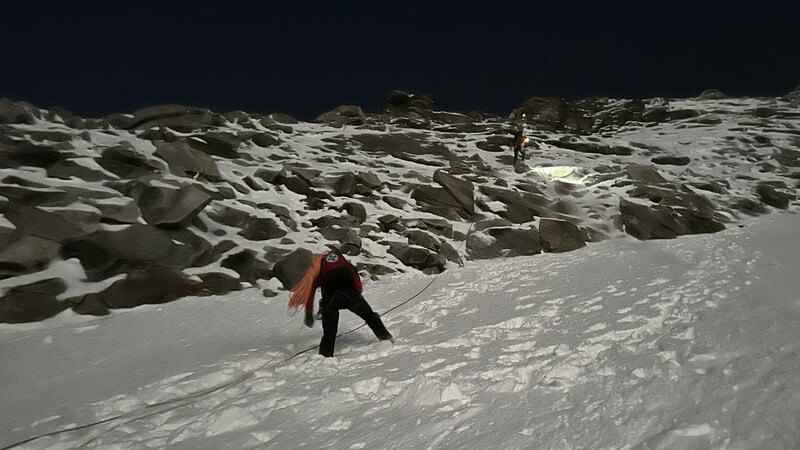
(687, 343)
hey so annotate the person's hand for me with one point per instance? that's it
(309, 319)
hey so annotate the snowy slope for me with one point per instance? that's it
(688, 343)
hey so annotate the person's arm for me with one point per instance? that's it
(309, 318)
(356, 279)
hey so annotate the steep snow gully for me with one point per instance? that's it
(689, 343)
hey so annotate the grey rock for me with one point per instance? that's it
(712, 94)
(344, 185)
(271, 176)
(417, 257)
(503, 242)
(356, 210)
(461, 190)
(370, 180)
(125, 161)
(149, 285)
(291, 268)
(32, 302)
(560, 236)
(645, 174)
(399, 102)
(27, 254)
(265, 140)
(351, 115)
(554, 114)
(662, 222)
(772, 197)
(172, 208)
(55, 226)
(177, 117)
(422, 239)
(671, 160)
(186, 161)
(491, 223)
(18, 113)
(349, 242)
(247, 265)
(260, 229)
(218, 143)
(394, 202)
(283, 118)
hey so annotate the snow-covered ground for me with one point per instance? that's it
(687, 343)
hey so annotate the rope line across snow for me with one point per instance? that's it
(178, 402)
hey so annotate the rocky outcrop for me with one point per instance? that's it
(503, 242)
(184, 119)
(343, 115)
(32, 302)
(177, 201)
(186, 161)
(560, 236)
(289, 269)
(553, 114)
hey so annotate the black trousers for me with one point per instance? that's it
(519, 153)
(330, 306)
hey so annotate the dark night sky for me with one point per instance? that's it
(305, 57)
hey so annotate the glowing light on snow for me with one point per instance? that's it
(569, 174)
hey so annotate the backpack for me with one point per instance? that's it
(336, 270)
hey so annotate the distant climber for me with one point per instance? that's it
(341, 288)
(518, 144)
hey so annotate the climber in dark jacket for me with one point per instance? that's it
(341, 289)
(518, 144)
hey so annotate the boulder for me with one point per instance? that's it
(53, 225)
(399, 102)
(370, 180)
(283, 118)
(671, 160)
(148, 285)
(124, 161)
(265, 140)
(18, 113)
(218, 143)
(356, 210)
(343, 115)
(560, 236)
(14, 154)
(27, 254)
(247, 265)
(645, 174)
(772, 197)
(344, 185)
(171, 208)
(291, 268)
(711, 94)
(662, 222)
(418, 257)
(108, 252)
(349, 242)
(390, 222)
(422, 239)
(460, 190)
(32, 302)
(261, 229)
(793, 96)
(177, 117)
(442, 201)
(503, 242)
(186, 161)
(554, 114)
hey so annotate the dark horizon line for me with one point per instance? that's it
(371, 109)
